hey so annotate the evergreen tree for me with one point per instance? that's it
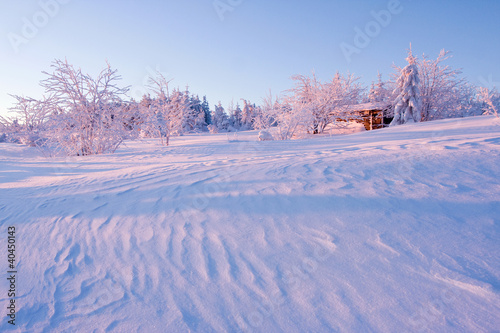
(372, 95)
(220, 119)
(237, 116)
(234, 116)
(198, 114)
(378, 91)
(206, 110)
(247, 115)
(408, 104)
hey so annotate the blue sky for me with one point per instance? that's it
(242, 52)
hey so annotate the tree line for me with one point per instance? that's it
(84, 115)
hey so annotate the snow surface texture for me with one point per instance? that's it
(386, 231)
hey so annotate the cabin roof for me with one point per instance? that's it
(369, 106)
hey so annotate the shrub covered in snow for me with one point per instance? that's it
(82, 115)
(265, 136)
(212, 129)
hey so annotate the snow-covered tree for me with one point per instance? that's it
(157, 114)
(9, 129)
(490, 101)
(220, 118)
(171, 113)
(379, 92)
(264, 117)
(87, 114)
(235, 116)
(443, 93)
(190, 112)
(180, 113)
(408, 104)
(199, 115)
(371, 94)
(247, 115)
(441, 89)
(469, 103)
(291, 115)
(33, 115)
(334, 100)
(206, 110)
(4, 124)
(328, 102)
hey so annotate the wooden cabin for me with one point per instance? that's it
(373, 115)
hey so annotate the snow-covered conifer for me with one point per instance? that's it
(247, 115)
(206, 110)
(235, 116)
(408, 103)
(378, 91)
(220, 119)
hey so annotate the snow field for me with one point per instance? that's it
(388, 230)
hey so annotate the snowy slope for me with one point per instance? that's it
(387, 231)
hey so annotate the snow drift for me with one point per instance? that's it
(388, 230)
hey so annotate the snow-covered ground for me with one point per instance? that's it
(391, 230)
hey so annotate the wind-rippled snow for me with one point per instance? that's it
(386, 231)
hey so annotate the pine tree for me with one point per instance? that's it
(198, 114)
(220, 119)
(237, 117)
(372, 95)
(408, 104)
(378, 92)
(206, 110)
(247, 115)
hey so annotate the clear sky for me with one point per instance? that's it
(232, 49)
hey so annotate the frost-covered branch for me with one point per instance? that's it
(88, 114)
(486, 97)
